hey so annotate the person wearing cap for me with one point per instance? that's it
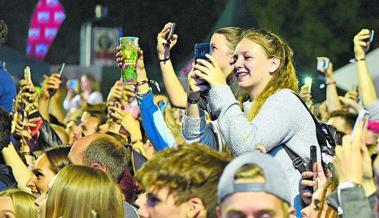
(7, 85)
(254, 185)
(181, 182)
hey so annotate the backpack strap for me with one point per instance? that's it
(297, 161)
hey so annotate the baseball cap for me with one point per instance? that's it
(276, 180)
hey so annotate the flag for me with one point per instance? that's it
(46, 20)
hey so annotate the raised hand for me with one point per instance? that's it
(360, 44)
(163, 46)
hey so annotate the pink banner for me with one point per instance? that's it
(47, 18)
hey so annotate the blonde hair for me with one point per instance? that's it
(23, 203)
(188, 171)
(284, 77)
(79, 190)
(232, 34)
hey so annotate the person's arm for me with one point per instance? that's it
(365, 83)
(332, 100)
(175, 90)
(154, 124)
(70, 103)
(20, 170)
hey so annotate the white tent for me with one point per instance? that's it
(346, 75)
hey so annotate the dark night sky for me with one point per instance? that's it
(143, 18)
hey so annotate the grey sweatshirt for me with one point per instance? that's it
(282, 120)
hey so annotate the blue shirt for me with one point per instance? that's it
(7, 89)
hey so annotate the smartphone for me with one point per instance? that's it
(322, 64)
(369, 40)
(171, 33)
(363, 116)
(201, 49)
(312, 161)
(73, 84)
(53, 91)
(61, 69)
(313, 157)
(308, 82)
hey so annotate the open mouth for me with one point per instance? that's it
(241, 75)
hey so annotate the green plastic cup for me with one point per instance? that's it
(129, 50)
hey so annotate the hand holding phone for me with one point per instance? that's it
(201, 49)
(53, 91)
(322, 64)
(363, 117)
(312, 162)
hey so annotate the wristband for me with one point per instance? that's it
(354, 60)
(330, 83)
(193, 98)
(140, 83)
(164, 60)
(136, 141)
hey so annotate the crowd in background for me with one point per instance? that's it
(238, 143)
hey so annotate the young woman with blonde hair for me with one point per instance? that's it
(263, 65)
(15, 203)
(82, 192)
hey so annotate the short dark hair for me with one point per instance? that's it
(5, 127)
(3, 31)
(109, 152)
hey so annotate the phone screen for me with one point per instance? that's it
(73, 84)
(363, 116)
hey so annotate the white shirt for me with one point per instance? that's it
(76, 102)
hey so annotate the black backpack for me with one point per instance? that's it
(326, 140)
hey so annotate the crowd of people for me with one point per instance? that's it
(243, 141)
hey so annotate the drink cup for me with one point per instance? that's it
(129, 50)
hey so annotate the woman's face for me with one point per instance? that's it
(6, 207)
(312, 210)
(85, 83)
(251, 65)
(42, 175)
(221, 52)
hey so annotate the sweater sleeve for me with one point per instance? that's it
(274, 125)
(154, 124)
(197, 130)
